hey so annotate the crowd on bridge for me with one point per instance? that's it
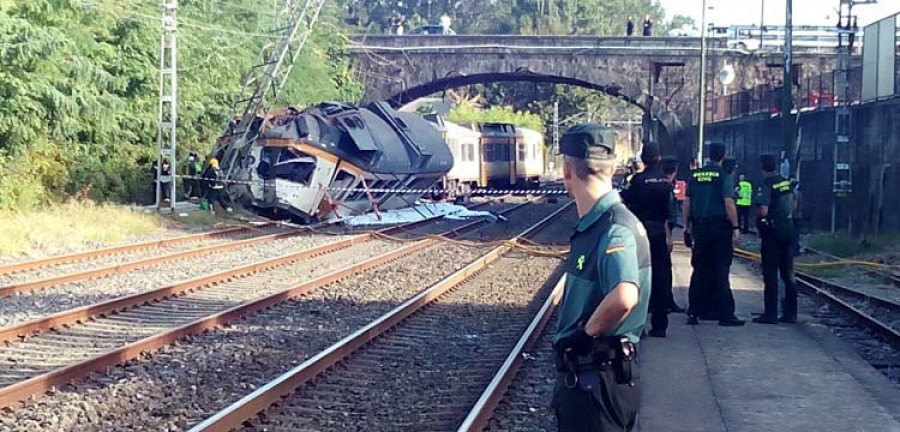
(619, 270)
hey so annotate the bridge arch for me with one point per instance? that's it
(666, 123)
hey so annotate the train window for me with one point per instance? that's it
(520, 152)
(470, 150)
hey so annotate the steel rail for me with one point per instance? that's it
(263, 397)
(86, 255)
(29, 328)
(811, 285)
(38, 384)
(891, 334)
(39, 284)
(870, 298)
(483, 409)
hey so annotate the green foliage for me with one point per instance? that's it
(495, 114)
(79, 80)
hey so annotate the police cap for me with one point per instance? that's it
(669, 164)
(586, 141)
(650, 153)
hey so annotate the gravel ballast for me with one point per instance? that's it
(184, 383)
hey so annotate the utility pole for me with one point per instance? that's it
(168, 102)
(701, 122)
(762, 20)
(787, 95)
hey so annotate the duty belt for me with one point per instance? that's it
(614, 353)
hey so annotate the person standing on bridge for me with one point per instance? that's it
(648, 26)
(744, 193)
(776, 229)
(606, 297)
(629, 27)
(711, 230)
(649, 197)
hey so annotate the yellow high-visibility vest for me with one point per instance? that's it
(745, 192)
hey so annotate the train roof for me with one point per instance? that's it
(376, 138)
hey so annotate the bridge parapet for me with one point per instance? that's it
(557, 44)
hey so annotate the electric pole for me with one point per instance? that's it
(168, 103)
(787, 96)
(701, 117)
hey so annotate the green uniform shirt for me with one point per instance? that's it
(745, 193)
(609, 247)
(775, 192)
(707, 188)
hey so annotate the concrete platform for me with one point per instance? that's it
(759, 377)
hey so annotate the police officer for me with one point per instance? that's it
(606, 295)
(649, 197)
(776, 229)
(744, 193)
(711, 228)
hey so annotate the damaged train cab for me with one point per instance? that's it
(317, 163)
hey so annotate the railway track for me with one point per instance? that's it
(43, 274)
(880, 314)
(86, 339)
(18, 267)
(419, 367)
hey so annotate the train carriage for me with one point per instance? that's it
(493, 155)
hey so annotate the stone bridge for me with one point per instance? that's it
(659, 75)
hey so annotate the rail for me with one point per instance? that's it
(82, 256)
(40, 383)
(270, 393)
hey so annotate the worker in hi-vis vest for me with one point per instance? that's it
(744, 193)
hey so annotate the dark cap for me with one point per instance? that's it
(586, 141)
(717, 151)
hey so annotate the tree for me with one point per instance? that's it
(79, 82)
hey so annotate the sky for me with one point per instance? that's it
(806, 12)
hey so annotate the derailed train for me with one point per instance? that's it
(316, 163)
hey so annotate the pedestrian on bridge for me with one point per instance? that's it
(776, 229)
(606, 297)
(649, 196)
(744, 193)
(648, 26)
(711, 229)
(629, 27)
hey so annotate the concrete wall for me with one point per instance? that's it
(873, 205)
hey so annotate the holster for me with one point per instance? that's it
(608, 353)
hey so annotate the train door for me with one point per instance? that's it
(483, 162)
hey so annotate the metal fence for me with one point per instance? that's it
(809, 92)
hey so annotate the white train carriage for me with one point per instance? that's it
(493, 155)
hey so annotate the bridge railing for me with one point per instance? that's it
(809, 92)
(414, 42)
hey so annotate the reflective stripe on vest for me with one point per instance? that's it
(745, 191)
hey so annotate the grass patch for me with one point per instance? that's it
(61, 227)
(844, 245)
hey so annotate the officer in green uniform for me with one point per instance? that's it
(776, 229)
(606, 297)
(711, 230)
(744, 192)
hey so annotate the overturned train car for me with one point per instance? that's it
(320, 163)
